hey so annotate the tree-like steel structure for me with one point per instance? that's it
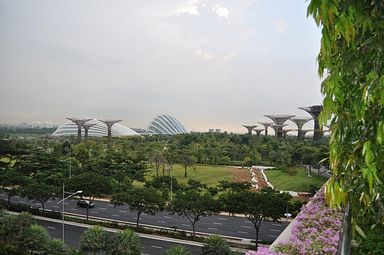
(315, 111)
(249, 128)
(79, 123)
(279, 120)
(266, 126)
(109, 124)
(86, 127)
(300, 121)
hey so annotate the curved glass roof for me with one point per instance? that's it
(167, 125)
(98, 130)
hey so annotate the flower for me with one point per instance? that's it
(316, 231)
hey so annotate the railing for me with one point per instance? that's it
(345, 241)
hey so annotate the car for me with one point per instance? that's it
(85, 204)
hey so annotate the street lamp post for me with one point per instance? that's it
(62, 201)
(171, 184)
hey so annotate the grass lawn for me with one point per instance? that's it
(299, 182)
(209, 175)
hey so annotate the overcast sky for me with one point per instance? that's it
(211, 64)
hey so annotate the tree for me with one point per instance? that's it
(186, 159)
(40, 192)
(126, 242)
(34, 239)
(55, 247)
(142, 200)
(177, 250)
(193, 205)
(351, 59)
(260, 206)
(94, 241)
(93, 185)
(11, 182)
(216, 245)
(19, 235)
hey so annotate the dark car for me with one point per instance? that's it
(85, 204)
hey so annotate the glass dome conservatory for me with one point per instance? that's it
(167, 125)
(99, 129)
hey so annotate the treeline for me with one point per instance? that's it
(38, 169)
(21, 236)
(26, 130)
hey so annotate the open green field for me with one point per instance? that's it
(209, 175)
(299, 182)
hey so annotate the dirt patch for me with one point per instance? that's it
(243, 175)
(240, 175)
(260, 179)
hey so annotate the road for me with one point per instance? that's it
(237, 227)
(151, 245)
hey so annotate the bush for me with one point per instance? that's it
(216, 245)
(373, 244)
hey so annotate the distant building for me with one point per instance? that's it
(99, 129)
(214, 130)
(143, 131)
(166, 125)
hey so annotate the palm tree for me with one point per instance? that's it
(177, 250)
(55, 247)
(216, 245)
(94, 241)
(34, 239)
(126, 242)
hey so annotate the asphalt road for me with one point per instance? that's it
(237, 227)
(152, 246)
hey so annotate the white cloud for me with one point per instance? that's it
(212, 56)
(281, 26)
(204, 54)
(221, 11)
(191, 8)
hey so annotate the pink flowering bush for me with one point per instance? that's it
(263, 251)
(316, 231)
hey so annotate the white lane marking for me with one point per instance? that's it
(74, 209)
(157, 247)
(212, 228)
(272, 236)
(56, 206)
(144, 254)
(161, 221)
(185, 225)
(248, 222)
(276, 230)
(66, 203)
(242, 232)
(49, 201)
(22, 201)
(50, 227)
(17, 196)
(168, 217)
(278, 225)
(102, 208)
(111, 205)
(217, 223)
(115, 215)
(122, 211)
(245, 226)
(94, 212)
(221, 218)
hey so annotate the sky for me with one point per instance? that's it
(211, 64)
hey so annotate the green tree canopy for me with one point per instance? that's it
(142, 200)
(351, 60)
(193, 205)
